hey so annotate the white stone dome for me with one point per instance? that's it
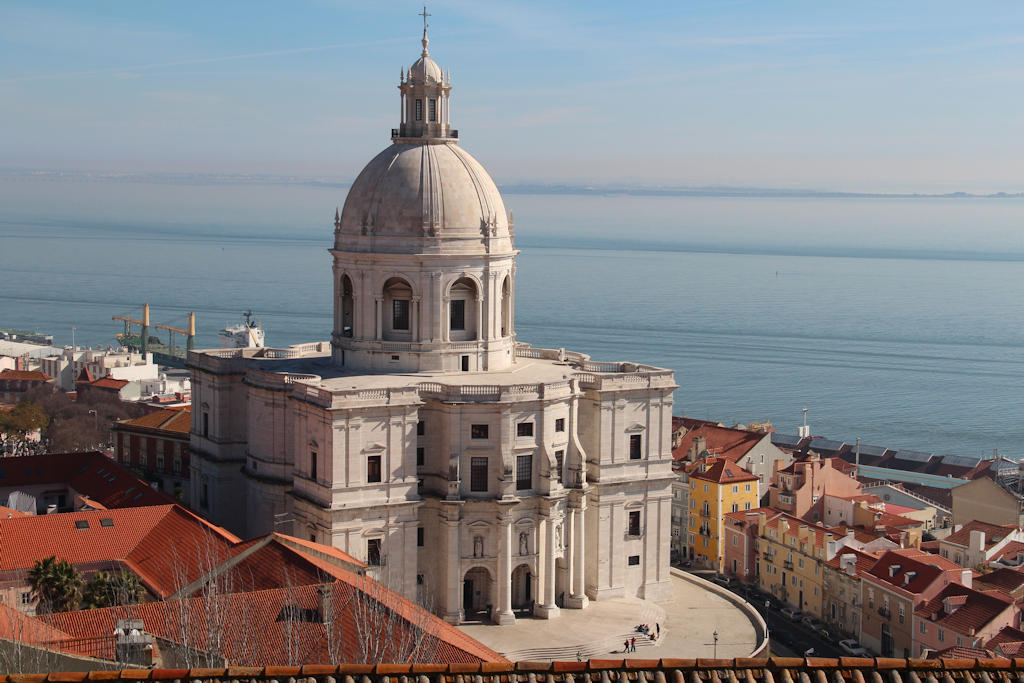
(423, 197)
(425, 70)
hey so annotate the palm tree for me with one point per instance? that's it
(106, 589)
(56, 585)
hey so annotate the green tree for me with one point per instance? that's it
(112, 589)
(56, 584)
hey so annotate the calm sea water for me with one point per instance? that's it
(915, 353)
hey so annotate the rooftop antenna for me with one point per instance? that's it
(804, 430)
(857, 471)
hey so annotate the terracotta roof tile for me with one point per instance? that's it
(864, 561)
(723, 471)
(722, 442)
(912, 570)
(263, 628)
(971, 609)
(1002, 579)
(1007, 634)
(109, 383)
(166, 546)
(91, 474)
(178, 420)
(24, 376)
(993, 533)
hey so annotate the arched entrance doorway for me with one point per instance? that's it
(477, 588)
(522, 588)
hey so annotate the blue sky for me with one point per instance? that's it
(907, 96)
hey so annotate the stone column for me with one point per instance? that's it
(415, 321)
(503, 610)
(453, 591)
(546, 559)
(578, 599)
(446, 313)
(380, 317)
(480, 318)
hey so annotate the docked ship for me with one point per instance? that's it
(246, 335)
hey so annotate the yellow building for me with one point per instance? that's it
(793, 553)
(717, 487)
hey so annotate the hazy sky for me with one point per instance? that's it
(885, 96)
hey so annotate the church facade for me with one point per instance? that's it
(475, 473)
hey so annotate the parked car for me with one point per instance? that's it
(815, 625)
(722, 579)
(791, 613)
(852, 647)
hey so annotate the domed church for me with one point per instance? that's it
(470, 471)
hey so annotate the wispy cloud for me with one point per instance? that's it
(119, 71)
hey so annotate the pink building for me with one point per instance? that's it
(740, 539)
(961, 617)
(799, 488)
(897, 585)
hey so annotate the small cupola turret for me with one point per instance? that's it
(425, 92)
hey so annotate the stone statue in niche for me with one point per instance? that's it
(558, 535)
(524, 543)
(478, 546)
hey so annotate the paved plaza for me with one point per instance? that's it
(687, 624)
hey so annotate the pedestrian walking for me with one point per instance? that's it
(657, 628)
(633, 644)
(625, 645)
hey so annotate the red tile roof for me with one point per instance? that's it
(91, 474)
(6, 512)
(85, 377)
(1007, 634)
(1003, 579)
(971, 609)
(18, 626)
(926, 569)
(723, 471)
(722, 442)
(1010, 551)
(884, 520)
(268, 627)
(177, 420)
(110, 383)
(993, 533)
(864, 561)
(166, 546)
(817, 532)
(24, 376)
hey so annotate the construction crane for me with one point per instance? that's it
(144, 324)
(190, 333)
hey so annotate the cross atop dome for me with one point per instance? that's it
(426, 40)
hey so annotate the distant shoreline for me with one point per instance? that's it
(573, 189)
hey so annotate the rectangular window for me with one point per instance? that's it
(177, 464)
(746, 506)
(373, 557)
(204, 495)
(924, 627)
(373, 468)
(26, 598)
(635, 446)
(560, 424)
(432, 109)
(559, 464)
(160, 461)
(400, 314)
(524, 429)
(419, 110)
(421, 428)
(633, 561)
(206, 423)
(478, 432)
(465, 363)
(747, 488)
(478, 474)
(312, 465)
(420, 456)
(735, 489)
(942, 636)
(457, 314)
(634, 523)
(524, 470)
(419, 537)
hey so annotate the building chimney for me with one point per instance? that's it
(977, 543)
(966, 578)
(848, 563)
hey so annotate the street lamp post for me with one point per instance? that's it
(714, 636)
(95, 420)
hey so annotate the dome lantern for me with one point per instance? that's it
(424, 94)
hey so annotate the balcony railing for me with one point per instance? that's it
(787, 564)
(884, 612)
